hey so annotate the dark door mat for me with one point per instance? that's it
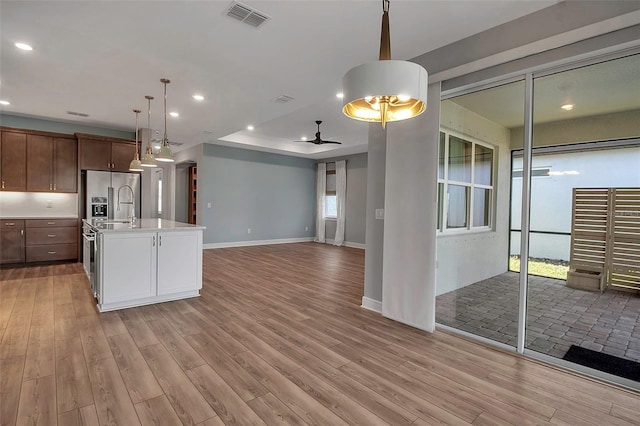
(604, 362)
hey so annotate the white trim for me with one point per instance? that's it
(371, 304)
(409, 323)
(348, 244)
(257, 243)
(105, 307)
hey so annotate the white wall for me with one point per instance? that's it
(466, 258)
(551, 196)
(38, 204)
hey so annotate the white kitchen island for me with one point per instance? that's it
(153, 261)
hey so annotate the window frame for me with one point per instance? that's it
(443, 207)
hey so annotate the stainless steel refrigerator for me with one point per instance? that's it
(112, 195)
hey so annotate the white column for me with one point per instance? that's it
(409, 264)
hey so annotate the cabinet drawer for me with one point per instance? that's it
(11, 224)
(47, 223)
(39, 236)
(52, 252)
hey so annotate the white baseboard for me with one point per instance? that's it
(371, 304)
(257, 242)
(348, 244)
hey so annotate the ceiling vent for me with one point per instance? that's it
(79, 114)
(246, 14)
(283, 99)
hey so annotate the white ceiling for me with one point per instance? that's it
(102, 58)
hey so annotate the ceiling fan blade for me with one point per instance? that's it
(336, 142)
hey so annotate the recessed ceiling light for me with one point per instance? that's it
(23, 46)
(567, 107)
(174, 114)
(198, 97)
(250, 127)
(304, 138)
(5, 103)
(340, 95)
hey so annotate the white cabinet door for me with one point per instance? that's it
(179, 261)
(130, 266)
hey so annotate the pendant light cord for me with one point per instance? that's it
(385, 38)
(165, 140)
(149, 121)
(137, 111)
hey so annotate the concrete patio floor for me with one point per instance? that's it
(557, 316)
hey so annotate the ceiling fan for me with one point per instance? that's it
(318, 140)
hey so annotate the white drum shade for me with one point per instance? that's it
(385, 91)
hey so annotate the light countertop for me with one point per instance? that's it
(142, 225)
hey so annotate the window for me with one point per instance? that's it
(330, 202)
(465, 183)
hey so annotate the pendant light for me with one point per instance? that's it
(147, 158)
(165, 154)
(385, 90)
(136, 165)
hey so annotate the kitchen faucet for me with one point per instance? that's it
(132, 218)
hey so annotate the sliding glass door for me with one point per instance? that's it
(476, 292)
(542, 176)
(583, 279)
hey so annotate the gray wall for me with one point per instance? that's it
(373, 256)
(355, 223)
(272, 194)
(32, 123)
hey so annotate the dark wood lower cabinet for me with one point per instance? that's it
(12, 246)
(38, 240)
(12, 241)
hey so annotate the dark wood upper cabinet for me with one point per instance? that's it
(95, 154)
(39, 163)
(121, 156)
(13, 161)
(105, 153)
(52, 164)
(65, 165)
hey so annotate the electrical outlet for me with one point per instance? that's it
(380, 214)
(248, 230)
(49, 204)
(306, 228)
(208, 205)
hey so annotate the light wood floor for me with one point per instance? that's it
(277, 337)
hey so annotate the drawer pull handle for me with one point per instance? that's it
(51, 252)
(2, 184)
(9, 223)
(51, 223)
(54, 187)
(51, 236)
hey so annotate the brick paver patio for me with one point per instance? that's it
(557, 316)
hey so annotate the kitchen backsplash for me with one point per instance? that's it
(38, 204)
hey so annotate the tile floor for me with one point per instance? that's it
(557, 318)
